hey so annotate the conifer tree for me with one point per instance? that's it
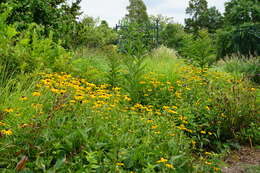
(137, 12)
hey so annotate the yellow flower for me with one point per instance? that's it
(72, 101)
(23, 98)
(166, 107)
(203, 132)
(120, 164)
(253, 89)
(116, 89)
(168, 165)
(154, 127)
(208, 163)
(54, 90)
(174, 107)
(222, 115)
(78, 97)
(216, 169)
(2, 124)
(207, 153)
(162, 160)
(7, 132)
(207, 108)
(158, 113)
(149, 121)
(9, 110)
(36, 93)
(210, 133)
(172, 112)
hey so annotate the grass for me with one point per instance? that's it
(241, 67)
(79, 123)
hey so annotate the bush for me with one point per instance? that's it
(28, 51)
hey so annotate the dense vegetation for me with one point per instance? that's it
(79, 96)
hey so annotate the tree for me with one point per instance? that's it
(174, 36)
(202, 17)
(59, 16)
(241, 32)
(43, 12)
(137, 12)
(238, 12)
(92, 34)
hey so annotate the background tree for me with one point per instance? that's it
(137, 12)
(241, 32)
(59, 16)
(43, 12)
(174, 36)
(202, 17)
(93, 33)
(238, 12)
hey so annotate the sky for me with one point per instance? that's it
(114, 10)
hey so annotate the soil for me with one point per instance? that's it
(245, 160)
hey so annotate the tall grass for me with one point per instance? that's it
(241, 67)
(164, 61)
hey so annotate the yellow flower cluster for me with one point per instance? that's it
(163, 160)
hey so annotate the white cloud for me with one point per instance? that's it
(114, 10)
(109, 10)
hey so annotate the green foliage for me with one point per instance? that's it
(137, 12)
(28, 51)
(140, 111)
(174, 36)
(238, 40)
(91, 64)
(114, 74)
(200, 51)
(93, 35)
(176, 112)
(134, 39)
(240, 35)
(133, 77)
(58, 16)
(248, 68)
(202, 17)
(238, 12)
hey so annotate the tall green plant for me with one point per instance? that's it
(200, 51)
(134, 62)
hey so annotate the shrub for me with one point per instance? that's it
(28, 51)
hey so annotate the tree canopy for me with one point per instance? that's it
(137, 12)
(238, 12)
(202, 17)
